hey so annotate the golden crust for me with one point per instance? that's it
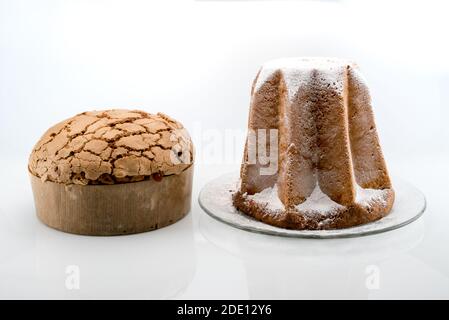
(111, 146)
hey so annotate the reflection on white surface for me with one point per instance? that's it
(150, 265)
(37, 262)
(283, 268)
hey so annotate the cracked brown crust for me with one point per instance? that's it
(111, 146)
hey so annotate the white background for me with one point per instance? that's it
(195, 61)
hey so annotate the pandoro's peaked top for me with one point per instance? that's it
(297, 72)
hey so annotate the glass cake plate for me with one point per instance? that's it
(216, 200)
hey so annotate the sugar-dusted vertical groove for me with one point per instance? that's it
(369, 164)
(264, 114)
(297, 142)
(334, 167)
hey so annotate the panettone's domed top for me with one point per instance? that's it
(112, 146)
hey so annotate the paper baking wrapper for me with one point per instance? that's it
(113, 209)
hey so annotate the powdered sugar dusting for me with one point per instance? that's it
(294, 79)
(357, 77)
(297, 72)
(216, 199)
(268, 197)
(367, 196)
(318, 202)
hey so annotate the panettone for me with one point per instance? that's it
(112, 172)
